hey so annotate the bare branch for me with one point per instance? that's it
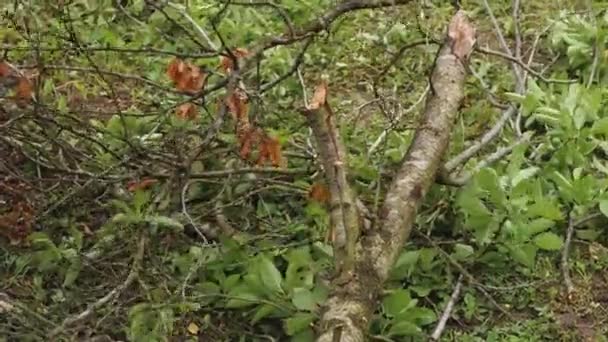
(382, 135)
(565, 255)
(133, 275)
(343, 210)
(524, 66)
(447, 312)
(198, 28)
(490, 159)
(488, 137)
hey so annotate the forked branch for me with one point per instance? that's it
(350, 307)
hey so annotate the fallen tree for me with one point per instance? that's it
(364, 260)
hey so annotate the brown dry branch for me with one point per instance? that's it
(344, 216)
(349, 309)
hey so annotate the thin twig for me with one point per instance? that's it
(185, 212)
(565, 255)
(503, 43)
(382, 135)
(488, 137)
(133, 275)
(198, 28)
(524, 66)
(447, 311)
(490, 159)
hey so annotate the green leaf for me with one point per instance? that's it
(600, 126)
(524, 254)
(604, 207)
(407, 258)
(298, 323)
(538, 226)
(231, 281)
(306, 335)
(240, 297)
(140, 199)
(427, 256)
(397, 302)
(420, 316)
(165, 222)
(524, 174)
(126, 219)
(462, 251)
(269, 274)
(548, 241)
(303, 299)
(473, 206)
(488, 180)
(72, 272)
(263, 312)
(588, 234)
(404, 328)
(543, 207)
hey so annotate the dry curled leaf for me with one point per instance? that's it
(144, 184)
(187, 111)
(462, 35)
(16, 225)
(238, 106)
(5, 69)
(270, 150)
(248, 137)
(226, 62)
(24, 90)
(319, 192)
(186, 76)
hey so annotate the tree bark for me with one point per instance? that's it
(351, 305)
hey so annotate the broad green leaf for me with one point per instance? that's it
(462, 251)
(303, 299)
(241, 296)
(588, 234)
(231, 281)
(600, 126)
(72, 272)
(418, 315)
(298, 322)
(397, 302)
(306, 335)
(484, 228)
(543, 207)
(269, 274)
(604, 207)
(524, 254)
(473, 206)
(524, 174)
(404, 328)
(488, 180)
(548, 241)
(263, 312)
(538, 226)
(579, 117)
(407, 258)
(208, 289)
(427, 258)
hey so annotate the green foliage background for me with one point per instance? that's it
(104, 116)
